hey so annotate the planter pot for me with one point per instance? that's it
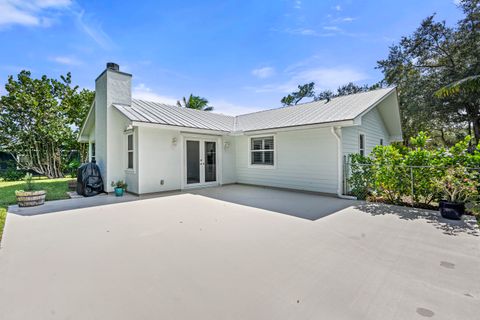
(451, 210)
(72, 185)
(119, 192)
(30, 198)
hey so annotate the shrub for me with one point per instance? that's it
(11, 173)
(361, 176)
(397, 173)
(72, 167)
(29, 185)
(458, 185)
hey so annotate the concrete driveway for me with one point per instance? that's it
(239, 252)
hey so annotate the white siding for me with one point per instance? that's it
(372, 127)
(305, 160)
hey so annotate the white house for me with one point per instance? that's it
(157, 147)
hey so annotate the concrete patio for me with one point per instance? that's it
(238, 252)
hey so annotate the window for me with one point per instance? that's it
(381, 142)
(361, 144)
(130, 151)
(262, 151)
(92, 158)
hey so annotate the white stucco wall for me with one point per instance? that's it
(372, 127)
(159, 159)
(112, 87)
(305, 160)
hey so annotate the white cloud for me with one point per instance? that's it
(307, 32)
(297, 4)
(338, 7)
(143, 92)
(29, 13)
(41, 13)
(331, 28)
(225, 107)
(264, 72)
(93, 29)
(324, 78)
(66, 60)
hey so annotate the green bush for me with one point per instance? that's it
(396, 173)
(11, 173)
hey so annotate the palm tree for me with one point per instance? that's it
(467, 85)
(195, 102)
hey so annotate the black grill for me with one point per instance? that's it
(89, 180)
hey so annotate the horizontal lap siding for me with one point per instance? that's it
(374, 130)
(305, 160)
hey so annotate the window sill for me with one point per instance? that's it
(130, 171)
(262, 166)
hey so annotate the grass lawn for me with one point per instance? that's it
(56, 190)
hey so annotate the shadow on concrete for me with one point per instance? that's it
(304, 205)
(468, 224)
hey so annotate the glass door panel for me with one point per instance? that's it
(210, 161)
(193, 161)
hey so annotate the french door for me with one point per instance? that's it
(200, 162)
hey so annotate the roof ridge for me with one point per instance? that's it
(304, 103)
(173, 106)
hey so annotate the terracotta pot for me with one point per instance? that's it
(30, 198)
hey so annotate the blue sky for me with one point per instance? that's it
(241, 55)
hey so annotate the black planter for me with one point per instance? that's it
(452, 210)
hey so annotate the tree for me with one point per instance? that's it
(466, 85)
(433, 57)
(304, 91)
(39, 121)
(346, 89)
(195, 102)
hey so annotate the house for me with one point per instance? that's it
(156, 147)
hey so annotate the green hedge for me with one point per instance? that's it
(399, 174)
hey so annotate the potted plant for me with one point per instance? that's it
(457, 187)
(29, 197)
(120, 187)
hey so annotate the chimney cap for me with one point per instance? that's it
(113, 66)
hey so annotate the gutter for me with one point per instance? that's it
(338, 136)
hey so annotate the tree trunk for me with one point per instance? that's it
(476, 130)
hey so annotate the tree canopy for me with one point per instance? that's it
(40, 119)
(195, 102)
(308, 90)
(437, 56)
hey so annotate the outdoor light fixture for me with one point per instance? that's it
(128, 128)
(226, 145)
(174, 141)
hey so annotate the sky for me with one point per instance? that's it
(243, 56)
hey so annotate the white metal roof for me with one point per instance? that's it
(159, 113)
(317, 112)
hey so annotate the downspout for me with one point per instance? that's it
(338, 136)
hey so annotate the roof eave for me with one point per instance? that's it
(342, 123)
(180, 128)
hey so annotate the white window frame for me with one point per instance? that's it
(130, 150)
(360, 134)
(275, 151)
(92, 151)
